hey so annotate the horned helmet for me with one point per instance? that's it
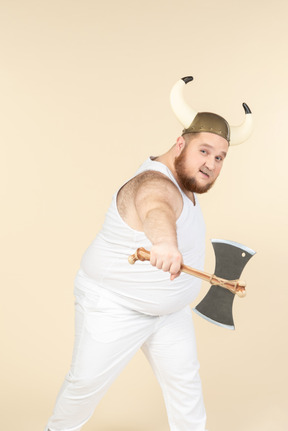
(195, 122)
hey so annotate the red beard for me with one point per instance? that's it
(186, 182)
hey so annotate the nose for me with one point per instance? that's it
(210, 163)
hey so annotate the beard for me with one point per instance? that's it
(189, 183)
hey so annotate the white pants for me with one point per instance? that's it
(107, 336)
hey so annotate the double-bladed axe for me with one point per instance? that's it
(231, 258)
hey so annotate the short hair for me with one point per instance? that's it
(188, 137)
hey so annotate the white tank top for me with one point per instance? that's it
(141, 286)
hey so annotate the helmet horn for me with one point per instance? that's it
(240, 133)
(186, 116)
(183, 112)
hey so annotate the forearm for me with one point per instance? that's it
(158, 206)
(159, 226)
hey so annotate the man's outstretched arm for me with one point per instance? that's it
(158, 204)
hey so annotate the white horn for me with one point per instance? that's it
(240, 133)
(183, 112)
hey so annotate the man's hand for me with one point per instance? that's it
(167, 258)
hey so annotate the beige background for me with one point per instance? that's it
(84, 94)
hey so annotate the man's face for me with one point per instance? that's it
(200, 162)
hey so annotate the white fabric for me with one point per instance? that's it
(107, 335)
(142, 286)
(121, 308)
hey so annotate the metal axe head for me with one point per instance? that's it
(231, 258)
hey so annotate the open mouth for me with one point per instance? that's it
(205, 173)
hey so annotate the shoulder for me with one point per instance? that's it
(156, 190)
(154, 182)
(144, 192)
(146, 186)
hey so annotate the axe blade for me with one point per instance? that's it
(231, 258)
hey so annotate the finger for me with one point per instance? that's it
(159, 263)
(173, 276)
(166, 266)
(153, 259)
(175, 268)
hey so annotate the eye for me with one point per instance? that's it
(219, 159)
(203, 151)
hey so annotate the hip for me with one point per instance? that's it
(151, 298)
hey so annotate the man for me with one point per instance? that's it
(121, 308)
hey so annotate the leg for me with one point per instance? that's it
(171, 351)
(106, 337)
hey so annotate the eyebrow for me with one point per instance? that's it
(212, 148)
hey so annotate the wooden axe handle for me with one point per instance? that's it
(235, 286)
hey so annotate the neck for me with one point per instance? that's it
(168, 160)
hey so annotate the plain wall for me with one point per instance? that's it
(84, 99)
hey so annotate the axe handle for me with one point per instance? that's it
(235, 286)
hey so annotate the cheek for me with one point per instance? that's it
(218, 169)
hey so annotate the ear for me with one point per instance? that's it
(180, 145)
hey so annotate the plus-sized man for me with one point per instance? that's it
(121, 308)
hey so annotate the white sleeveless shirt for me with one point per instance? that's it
(142, 287)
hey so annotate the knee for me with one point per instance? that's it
(86, 386)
